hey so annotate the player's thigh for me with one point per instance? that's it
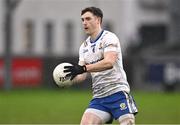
(127, 119)
(90, 118)
(94, 116)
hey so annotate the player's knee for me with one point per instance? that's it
(127, 119)
(86, 121)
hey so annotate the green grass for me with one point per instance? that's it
(158, 108)
(65, 106)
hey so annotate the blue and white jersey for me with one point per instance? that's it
(109, 81)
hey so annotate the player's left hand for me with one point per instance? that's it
(74, 70)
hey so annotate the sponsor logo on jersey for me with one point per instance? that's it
(93, 48)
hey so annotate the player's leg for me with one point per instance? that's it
(90, 118)
(124, 108)
(127, 119)
(95, 116)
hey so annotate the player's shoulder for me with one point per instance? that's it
(85, 42)
(109, 34)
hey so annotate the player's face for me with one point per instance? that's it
(90, 23)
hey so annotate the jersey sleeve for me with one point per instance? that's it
(111, 43)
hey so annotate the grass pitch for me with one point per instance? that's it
(65, 106)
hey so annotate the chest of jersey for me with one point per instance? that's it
(93, 52)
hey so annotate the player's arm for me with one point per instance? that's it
(110, 58)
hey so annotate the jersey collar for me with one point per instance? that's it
(100, 34)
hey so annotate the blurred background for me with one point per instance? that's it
(36, 35)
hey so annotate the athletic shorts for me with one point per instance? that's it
(116, 105)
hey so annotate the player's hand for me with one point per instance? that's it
(74, 70)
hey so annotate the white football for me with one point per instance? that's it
(60, 77)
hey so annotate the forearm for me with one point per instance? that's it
(79, 78)
(107, 63)
(99, 66)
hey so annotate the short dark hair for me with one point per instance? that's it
(94, 10)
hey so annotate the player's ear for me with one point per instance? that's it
(99, 20)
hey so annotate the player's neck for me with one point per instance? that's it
(96, 33)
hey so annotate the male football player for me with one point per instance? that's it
(100, 55)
